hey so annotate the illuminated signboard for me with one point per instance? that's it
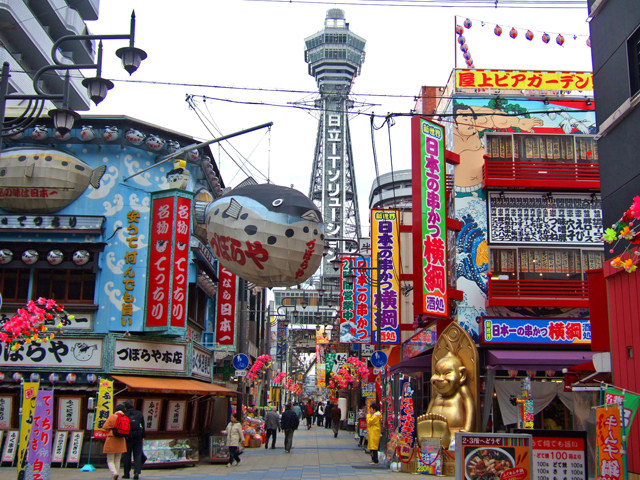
(524, 80)
(347, 306)
(386, 274)
(540, 331)
(430, 217)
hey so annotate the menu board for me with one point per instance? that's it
(559, 219)
(493, 455)
(559, 454)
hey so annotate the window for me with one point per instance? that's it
(542, 148)
(538, 263)
(65, 286)
(633, 49)
(14, 284)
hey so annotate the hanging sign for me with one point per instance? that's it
(202, 361)
(104, 408)
(29, 399)
(347, 303)
(538, 331)
(176, 411)
(321, 375)
(609, 447)
(629, 402)
(151, 412)
(523, 80)
(130, 261)
(226, 308)
(430, 217)
(181, 232)
(406, 421)
(385, 258)
(6, 408)
(362, 300)
(10, 447)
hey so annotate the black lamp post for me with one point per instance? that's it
(97, 87)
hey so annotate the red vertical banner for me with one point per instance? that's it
(159, 282)
(162, 220)
(180, 263)
(226, 311)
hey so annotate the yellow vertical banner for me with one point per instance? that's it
(29, 397)
(104, 407)
(609, 447)
(321, 375)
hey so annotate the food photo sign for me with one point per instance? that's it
(492, 455)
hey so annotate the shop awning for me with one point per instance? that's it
(419, 363)
(171, 385)
(535, 359)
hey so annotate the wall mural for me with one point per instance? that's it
(475, 117)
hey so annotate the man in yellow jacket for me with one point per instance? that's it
(374, 419)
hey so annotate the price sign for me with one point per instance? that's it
(559, 454)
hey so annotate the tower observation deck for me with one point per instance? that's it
(335, 56)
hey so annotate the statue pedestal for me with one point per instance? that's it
(448, 463)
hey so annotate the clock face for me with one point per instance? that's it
(83, 352)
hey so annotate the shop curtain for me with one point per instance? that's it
(542, 392)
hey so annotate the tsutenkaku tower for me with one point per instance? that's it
(335, 56)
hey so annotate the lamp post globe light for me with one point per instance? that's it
(97, 87)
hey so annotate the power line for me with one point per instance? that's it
(582, 4)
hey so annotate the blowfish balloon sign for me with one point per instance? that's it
(270, 235)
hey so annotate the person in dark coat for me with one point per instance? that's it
(134, 441)
(336, 416)
(327, 415)
(289, 423)
(271, 425)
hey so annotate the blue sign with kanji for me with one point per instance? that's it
(540, 331)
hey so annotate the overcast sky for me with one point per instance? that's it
(243, 54)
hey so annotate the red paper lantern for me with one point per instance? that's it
(467, 56)
(467, 23)
(464, 47)
(498, 30)
(560, 39)
(529, 35)
(461, 39)
(513, 33)
(546, 37)
(549, 373)
(531, 373)
(512, 373)
(459, 30)
(71, 378)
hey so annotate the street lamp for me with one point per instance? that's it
(97, 87)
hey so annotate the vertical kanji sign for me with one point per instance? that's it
(609, 446)
(180, 263)
(429, 217)
(226, 311)
(39, 449)
(362, 297)
(29, 398)
(347, 305)
(159, 282)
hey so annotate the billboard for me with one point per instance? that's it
(523, 80)
(226, 309)
(537, 331)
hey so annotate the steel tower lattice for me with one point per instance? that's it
(335, 56)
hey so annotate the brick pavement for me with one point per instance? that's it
(316, 455)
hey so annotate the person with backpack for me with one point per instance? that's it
(134, 441)
(117, 426)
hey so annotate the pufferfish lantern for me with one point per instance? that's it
(179, 176)
(270, 235)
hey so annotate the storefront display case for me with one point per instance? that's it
(183, 451)
(218, 450)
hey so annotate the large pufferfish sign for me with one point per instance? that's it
(270, 235)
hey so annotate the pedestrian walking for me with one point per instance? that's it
(235, 440)
(289, 424)
(336, 416)
(327, 415)
(134, 441)
(114, 446)
(309, 415)
(320, 414)
(298, 411)
(374, 418)
(271, 425)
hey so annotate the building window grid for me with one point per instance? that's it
(542, 147)
(633, 48)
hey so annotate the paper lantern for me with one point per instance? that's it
(92, 378)
(546, 37)
(136, 137)
(29, 257)
(461, 39)
(498, 30)
(17, 377)
(560, 39)
(531, 373)
(81, 257)
(1, 377)
(6, 256)
(549, 373)
(270, 235)
(512, 373)
(55, 257)
(513, 33)
(467, 56)
(71, 378)
(34, 377)
(459, 29)
(464, 47)
(588, 41)
(53, 378)
(529, 35)
(467, 23)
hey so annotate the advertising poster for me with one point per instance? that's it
(10, 444)
(176, 410)
(29, 398)
(69, 413)
(75, 447)
(59, 447)
(151, 412)
(494, 455)
(321, 375)
(429, 459)
(609, 444)
(368, 390)
(104, 407)
(40, 442)
(559, 454)
(323, 335)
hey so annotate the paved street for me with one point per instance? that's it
(316, 455)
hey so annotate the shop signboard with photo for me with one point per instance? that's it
(480, 455)
(559, 454)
